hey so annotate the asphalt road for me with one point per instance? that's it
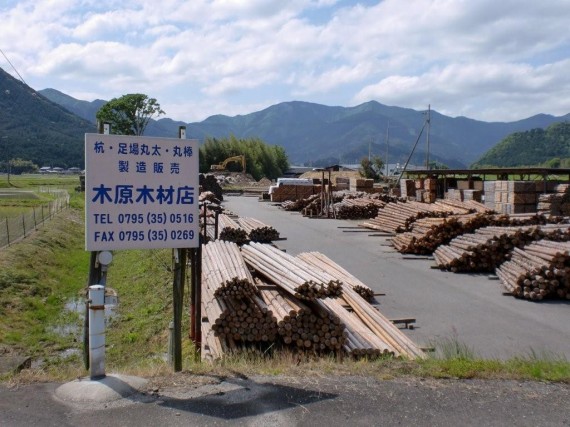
(448, 307)
(188, 400)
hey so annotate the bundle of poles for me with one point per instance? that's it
(296, 277)
(489, 247)
(428, 234)
(230, 230)
(539, 270)
(257, 231)
(359, 208)
(398, 217)
(275, 303)
(234, 310)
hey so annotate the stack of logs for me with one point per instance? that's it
(299, 204)
(230, 300)
(230, 230)
(308, 328)
(257, 231)
(237, 313)
(488, 247)
(361, 208)
(398, 217)
(296, 277)
(429, 233)
(323, 262)
(540, 270)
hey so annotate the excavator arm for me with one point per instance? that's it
(222, 166)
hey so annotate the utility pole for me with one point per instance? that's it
(428, 121)
(386, 159)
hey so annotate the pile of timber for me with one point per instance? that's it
(230, 230)
(398, 217)
(359, 339)
(429, 233)
(306, 328)
(540, 270)
(209, 196)
(322, 262)
(296, 277)
(360, 208)
(272, 313)
(557, 203)
(299, 204)
(394, 338)
(231, 302)
(225, 271)
(257, 231)
(489, 247)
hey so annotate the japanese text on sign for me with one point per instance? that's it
(140, 192)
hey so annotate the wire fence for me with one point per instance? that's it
(13, 229)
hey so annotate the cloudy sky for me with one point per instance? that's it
(493, 60)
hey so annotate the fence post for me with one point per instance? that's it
(24, 224)
(43, 214)
(7, 231)
(35, 222)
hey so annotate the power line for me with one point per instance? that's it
(12, 65)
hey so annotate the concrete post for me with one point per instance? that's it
(97, 331)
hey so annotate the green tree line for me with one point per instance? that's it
(262, 160)
(549, 147)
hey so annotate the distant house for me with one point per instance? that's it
(45, 169)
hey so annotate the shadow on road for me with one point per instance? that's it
(248, 399)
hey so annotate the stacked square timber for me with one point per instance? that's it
(555, 203)
(407, 188)
(294, 192)
(512, 197)
(361, 184)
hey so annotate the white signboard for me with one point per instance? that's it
(140, 192)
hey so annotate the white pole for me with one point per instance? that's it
(97, 331)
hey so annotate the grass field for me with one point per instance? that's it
(47, 272)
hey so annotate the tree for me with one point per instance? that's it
(129, 114)
(371, 168)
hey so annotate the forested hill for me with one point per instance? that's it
(547, 146)
(323, 135)
(37, 129)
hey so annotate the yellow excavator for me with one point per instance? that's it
(222, 166)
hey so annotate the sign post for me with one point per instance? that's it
(142, 193)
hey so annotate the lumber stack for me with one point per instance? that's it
(429, 233)
(293, 192)
(294, 276)
(557, 202)
(225, 271)
(230, 230)
(488, 247)
(358, 208)
(257, 231)
(540, 270)
(230, 299)
(299, 204)
(382, 327)
(515, 196)
(398, 217)
(322, 262)
(313, 329)
(359, 339)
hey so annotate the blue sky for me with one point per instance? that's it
(489, 60)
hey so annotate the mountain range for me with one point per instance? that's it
(310, 133)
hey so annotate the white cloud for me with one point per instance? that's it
(485, 59)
